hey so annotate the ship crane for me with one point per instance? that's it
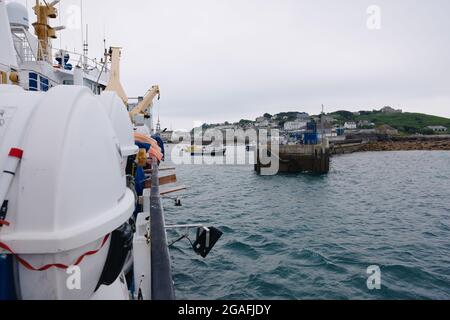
(143, 107)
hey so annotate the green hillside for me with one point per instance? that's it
(404, 122)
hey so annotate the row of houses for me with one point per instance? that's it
(365, 124)
(295, 122)
(438, 129)
(300, 122)
(352, 126)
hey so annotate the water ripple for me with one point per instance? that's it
(309, 237)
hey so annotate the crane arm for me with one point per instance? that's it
(147, 103)
(114, 80)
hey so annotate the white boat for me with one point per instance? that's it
(213, 151)
(68, 147)
(67, 203)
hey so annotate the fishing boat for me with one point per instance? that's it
(213, 151)
(81, 213)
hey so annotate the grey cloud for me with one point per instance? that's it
(229, 59)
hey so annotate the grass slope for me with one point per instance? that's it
(404, 122)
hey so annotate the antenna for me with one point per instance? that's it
(60, 23)
(86, 48)
(104, 37)
(82, 24)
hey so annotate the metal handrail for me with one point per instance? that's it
(76, 58)
(162, 281)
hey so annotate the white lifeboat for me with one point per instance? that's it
(121, 123)
(68, 193)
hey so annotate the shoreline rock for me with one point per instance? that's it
(406, 146)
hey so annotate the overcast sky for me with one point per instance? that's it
(219, 60)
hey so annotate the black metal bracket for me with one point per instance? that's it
(4, 210)
(206, 239)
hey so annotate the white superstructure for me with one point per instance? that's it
(7, 54)
(39, 66)
(63, 151)
(71, 222)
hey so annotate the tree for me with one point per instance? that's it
(427, 131)
(409, 129)
(267, 116)
(245, 122)
(346, 115)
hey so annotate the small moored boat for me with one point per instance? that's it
(213, 151)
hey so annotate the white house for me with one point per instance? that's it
(438, 129)
(366, 123)
(350, 126)
(262, 124)
(295, 125)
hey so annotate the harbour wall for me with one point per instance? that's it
(392, 143)
(299, 158)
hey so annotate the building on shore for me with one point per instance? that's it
(366, 124)
(438, 129)
(262, 124)
(261, 119)
(166, 136)
(350, 126)
(387, 130)
(295, 125)
(390, 110)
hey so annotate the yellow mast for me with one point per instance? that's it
(43, 30)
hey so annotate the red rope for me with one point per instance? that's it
(4, 223)
(56, 265)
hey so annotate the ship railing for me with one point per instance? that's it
(23, 48)
(25, 53)
(78, 59)
(161, 270)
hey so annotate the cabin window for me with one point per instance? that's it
(44, 84)
(33, 81)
